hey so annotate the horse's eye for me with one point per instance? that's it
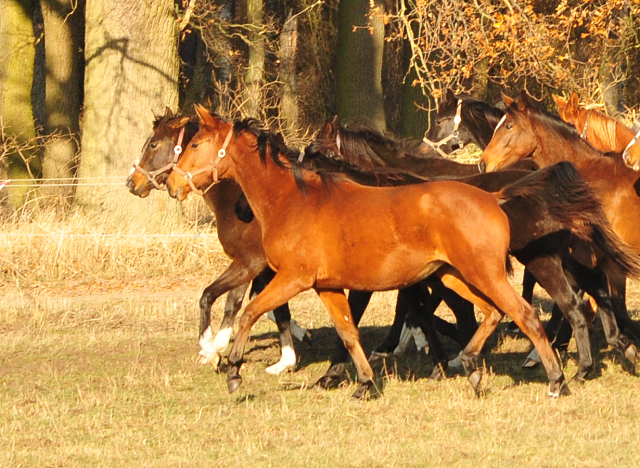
(194, 145)
(154, 145)
(509, 126)
(438, 122)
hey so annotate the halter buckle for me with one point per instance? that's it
(222, 153)
(177, 150)
(188, 176)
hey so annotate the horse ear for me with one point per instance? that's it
(506, 99)
(574, 103)
(181, 122)
(168, 112)
(560, 101)
(205, 117)
(449, 96)
(523, 101)
(329, 128)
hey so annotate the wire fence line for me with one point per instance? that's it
(69, 234)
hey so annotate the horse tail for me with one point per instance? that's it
(574, 204)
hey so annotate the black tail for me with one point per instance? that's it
(573, 203)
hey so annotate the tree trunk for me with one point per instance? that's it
(255, 67)
(63, 29)
(131, 71)
(17, 54)
(414, 121)
(359, 65)
(288, 48)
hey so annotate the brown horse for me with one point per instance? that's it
(335, 235)
(242, 242)
(531, 132)
(602, 132)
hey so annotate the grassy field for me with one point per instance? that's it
(97, 368)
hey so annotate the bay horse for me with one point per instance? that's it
(329, 234)
(240, 241)
(543, 251)
(530, 132)
(604, 133)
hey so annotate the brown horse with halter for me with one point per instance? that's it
(530, 132)
(241, 241)
(602, 132)
(329, 234)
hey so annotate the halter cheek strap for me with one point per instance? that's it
(583, 135)
(222, 152)
(151, 175)
(634, 140)
(454, 133)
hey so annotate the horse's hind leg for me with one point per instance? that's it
(550, 274)
(236, 279)
(499, 292)
(336, 302)
(213, 347)
(594, 283)
(358, 301)
(282, 318)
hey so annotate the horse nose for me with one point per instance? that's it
(482, 166)
(129, 183)
(174, 193)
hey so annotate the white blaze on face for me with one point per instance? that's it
(504, 117)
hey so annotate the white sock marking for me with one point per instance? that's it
(287, 361)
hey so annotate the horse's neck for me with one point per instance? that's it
(268, 187)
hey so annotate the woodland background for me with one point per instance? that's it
(80, 80)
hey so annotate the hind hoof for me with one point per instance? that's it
(234, 383)
(558, 390)
(474, 379)
(362, 391)
(278, 368)
(376, 356)
(530, 363)
(438, 373)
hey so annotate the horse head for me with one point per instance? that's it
(199, 167)
(513, 138)
(158, 155)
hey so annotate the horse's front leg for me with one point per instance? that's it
(279, 291)
(336, 302)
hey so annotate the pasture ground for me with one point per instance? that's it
(97, 368)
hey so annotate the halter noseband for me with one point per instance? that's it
(151, 175)
(454, 133)
(222, 152)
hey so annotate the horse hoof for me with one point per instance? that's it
(362, 391)
(376, 356)
(559, 389)
(307, 339)
(233, 383)
(631, 354)
(530, 363)
(326, 382)
(438, 373)
(474, 379)
(456, 363)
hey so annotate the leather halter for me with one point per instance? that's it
(454, 133)
(151, 175)
(222, 152)
(625, 153)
